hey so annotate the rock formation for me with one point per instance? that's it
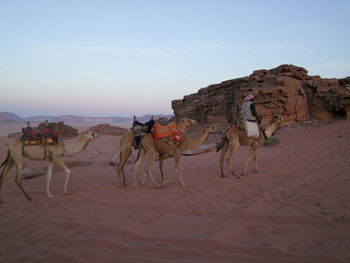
(63, 130)
(103, 129)
(287, 91)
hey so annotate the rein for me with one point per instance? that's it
(99, 150)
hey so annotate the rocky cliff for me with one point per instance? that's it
(287, 91)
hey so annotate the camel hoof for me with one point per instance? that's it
(183, 184)
(238, 177)
(50, 195)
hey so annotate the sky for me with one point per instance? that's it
(125, 58)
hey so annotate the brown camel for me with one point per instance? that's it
(126, 144)
(151, 148)
(49, 153)
(234, 137)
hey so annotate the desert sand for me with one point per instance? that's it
(296, 209)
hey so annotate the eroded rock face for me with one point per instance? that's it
(286, 91)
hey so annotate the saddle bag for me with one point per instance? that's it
(34, 136)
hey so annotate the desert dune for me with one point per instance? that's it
(296, 209)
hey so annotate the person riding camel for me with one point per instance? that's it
(250, 117)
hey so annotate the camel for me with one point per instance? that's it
(126, 144)
(151, 148)
(234, 137)
(49, 153)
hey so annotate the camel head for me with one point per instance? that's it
(211, 128)
(277, 118)
(186, 122)
(90, 134)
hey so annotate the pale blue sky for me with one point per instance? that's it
(124, 58)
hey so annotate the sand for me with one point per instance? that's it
(296, 209)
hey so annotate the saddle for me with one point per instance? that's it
(239, 124)
(44, 135)
(140, 129)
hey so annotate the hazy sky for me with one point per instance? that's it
(124, 58)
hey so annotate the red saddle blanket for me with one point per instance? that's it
(43, 135)
(170, 130)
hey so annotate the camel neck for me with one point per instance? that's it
(74, 148)
(270, 129)
(193, 143)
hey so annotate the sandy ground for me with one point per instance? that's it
(296, 209)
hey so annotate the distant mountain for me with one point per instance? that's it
(147, 117)
(42, 118)
(9, 116)
(80, 119)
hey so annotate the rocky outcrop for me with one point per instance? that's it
(63, 130)
(103, 129)
(287, 91)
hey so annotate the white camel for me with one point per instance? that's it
(50, 153)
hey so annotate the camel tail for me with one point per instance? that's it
(222, 142)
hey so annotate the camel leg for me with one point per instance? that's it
(60, 164)
(49, 175)
(142, 178)
(18, 180)
(161, 160)
(178, 166)
(139, 160)
(124, 155)
(150, 160)
(177, 169)
(8, 164)
(170, 177)
(233, 148)
(251, 154)
(222, 157)
(256, 161)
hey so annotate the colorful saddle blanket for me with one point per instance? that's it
(44, 135)
(170, 130)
